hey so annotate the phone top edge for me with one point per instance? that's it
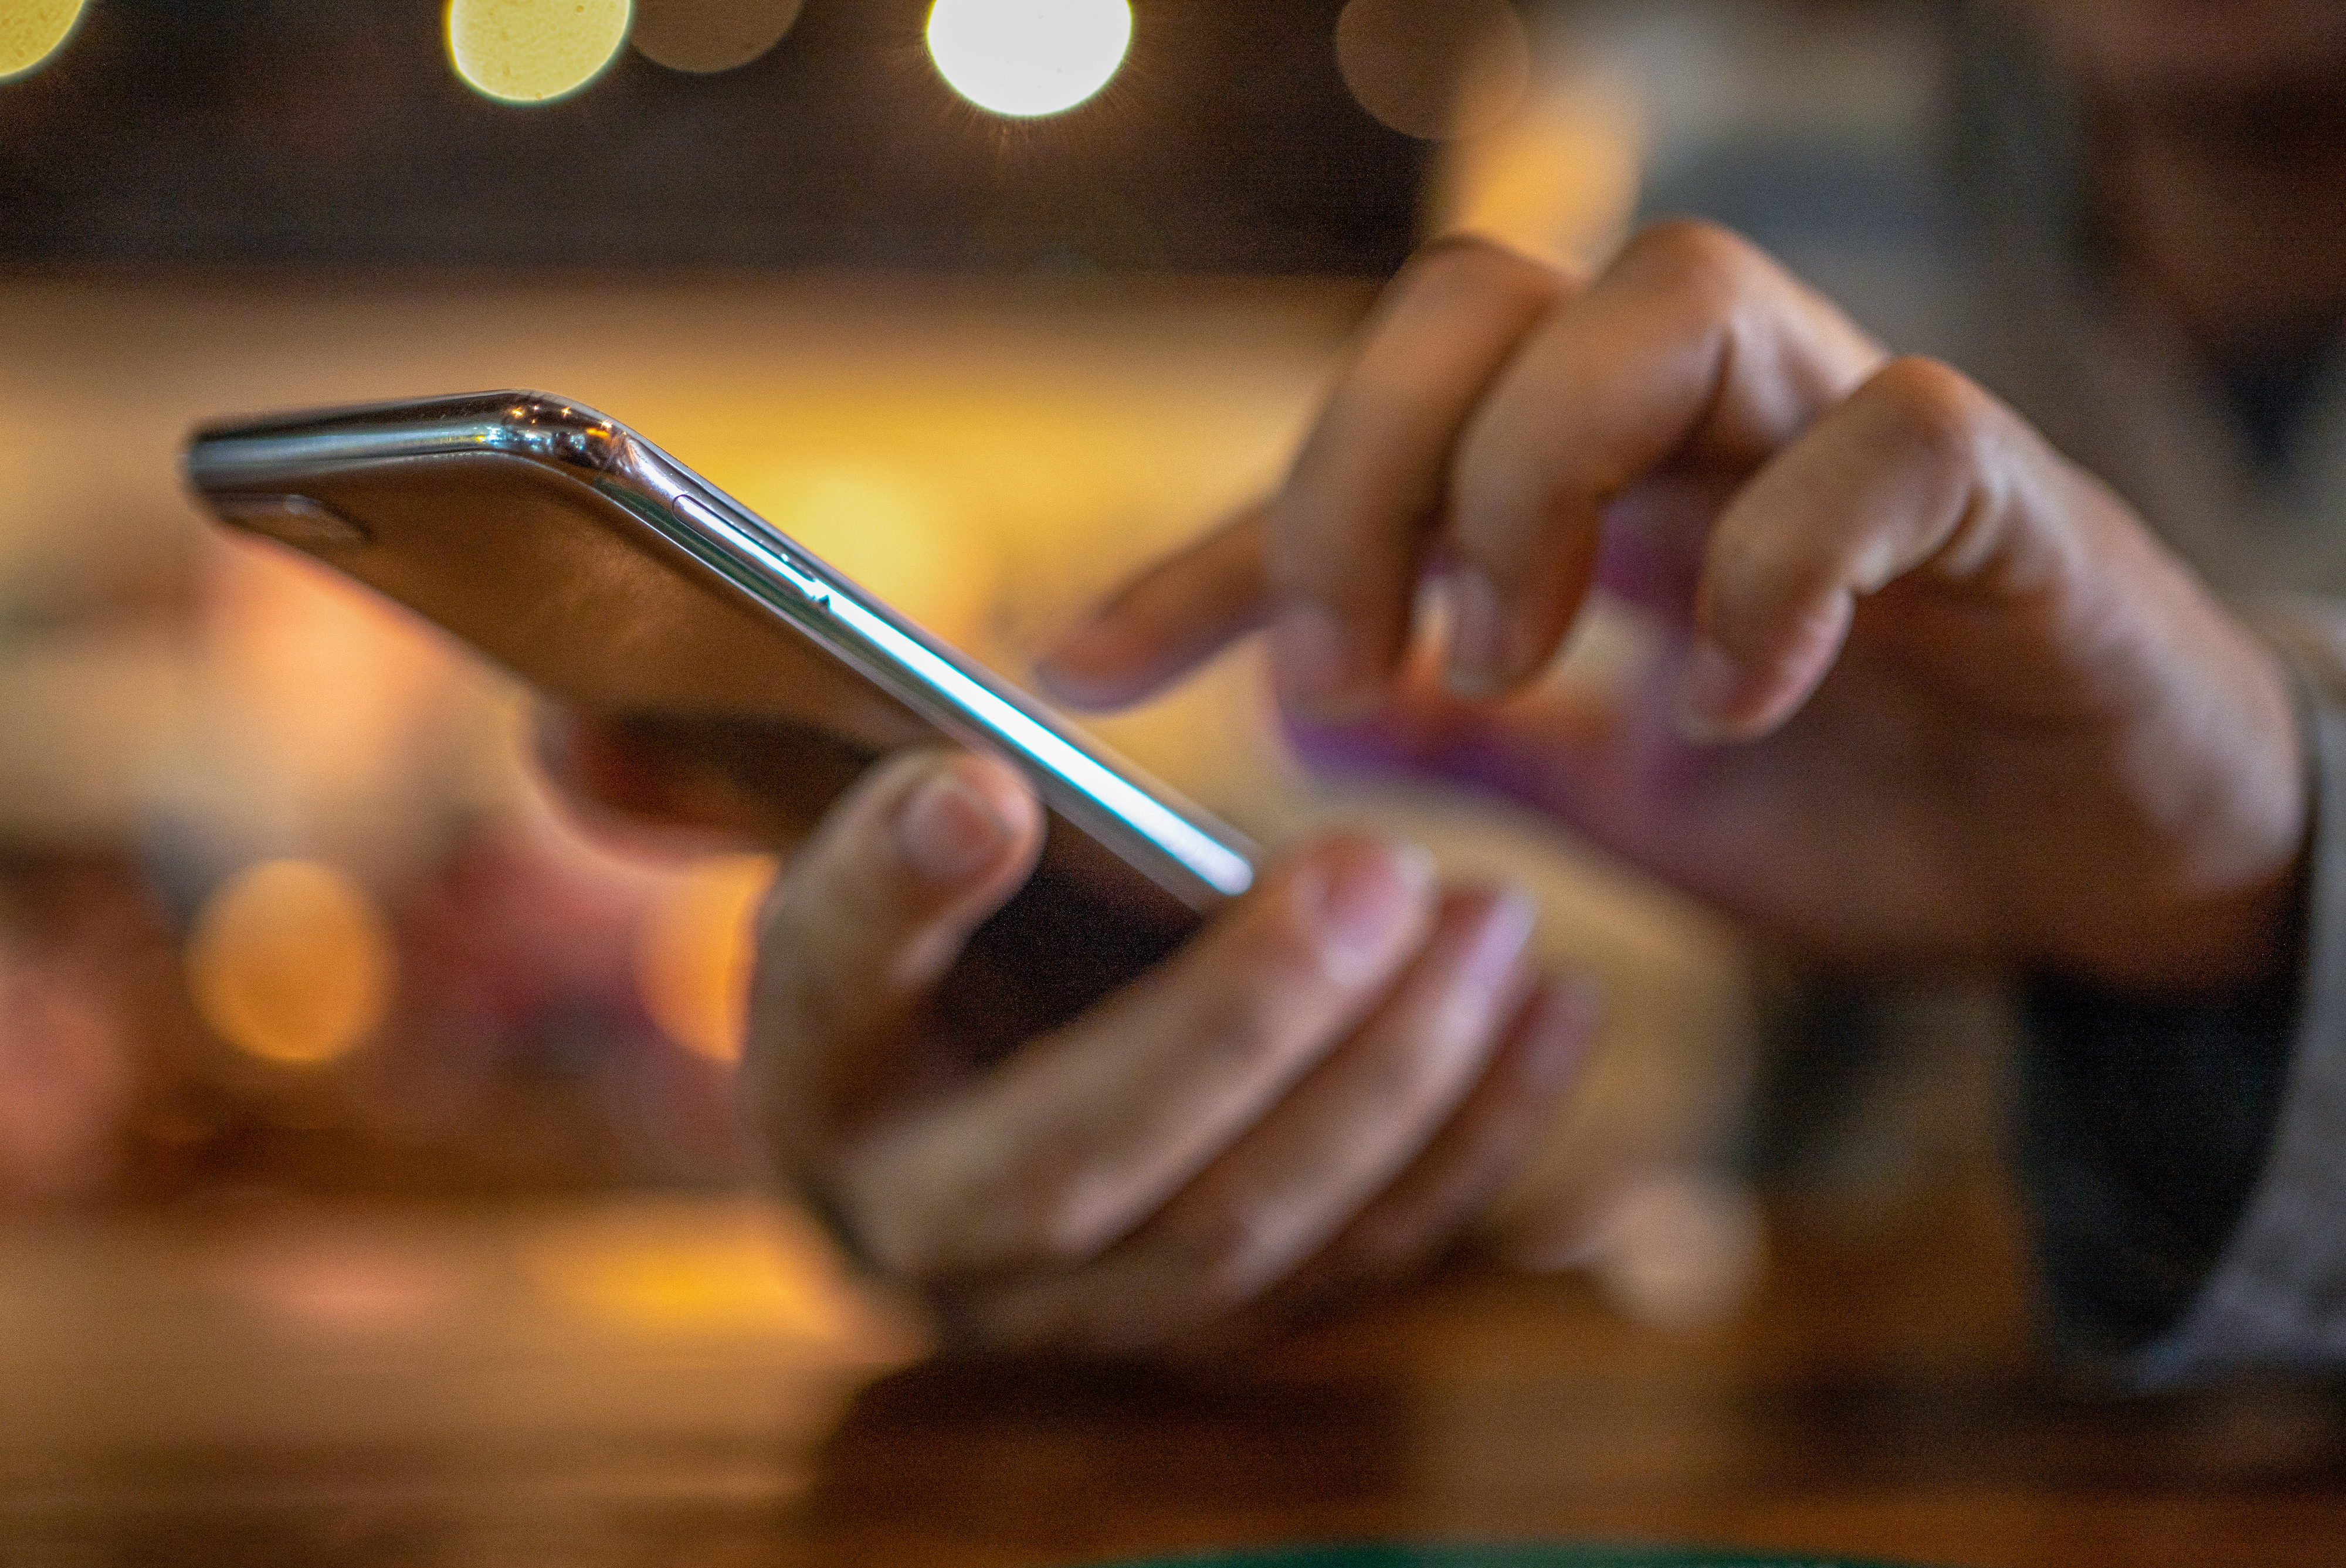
(535, 424)
(758, 559)
(872, 638)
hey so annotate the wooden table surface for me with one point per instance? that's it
(628, 1384)
(252, 1380)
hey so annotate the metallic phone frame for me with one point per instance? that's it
(1179, 847)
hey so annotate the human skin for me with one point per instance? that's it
(1935, 696)
(1315, 1093)
(1932, 696)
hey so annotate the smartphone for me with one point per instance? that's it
(604, 573)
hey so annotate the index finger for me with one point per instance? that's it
(1335, 557)
(1348, 535)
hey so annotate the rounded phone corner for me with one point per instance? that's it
(561, 431)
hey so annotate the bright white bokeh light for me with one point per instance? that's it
(1028, 58)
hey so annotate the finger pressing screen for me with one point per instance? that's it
(1349, 533)
(1163, 623)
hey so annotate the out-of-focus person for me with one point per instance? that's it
(2143, 249)
(2046, 748)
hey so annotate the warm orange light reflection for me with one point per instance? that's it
(531, 51)
(694, 953)
(708, 35)
(292, 962)
(891, 533)
(646, 1266)
(33, 31)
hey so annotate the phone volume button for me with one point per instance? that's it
(712, 525)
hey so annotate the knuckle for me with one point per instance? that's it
(1314, 556)
(1267, 1008)
(888, 1198)
(1495, 484)
(1247, 1029)
(1931, 409)
(1712, 267)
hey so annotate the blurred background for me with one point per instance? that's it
(285, 919)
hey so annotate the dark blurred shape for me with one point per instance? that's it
(705, 36)
(285, 132)
(1435, 69)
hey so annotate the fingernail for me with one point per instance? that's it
(1507, 931)
(1707, 693)
(1314, 655)
(1368, 907)
(1478, 634)
(947, 831)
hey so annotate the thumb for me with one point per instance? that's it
(869, 918)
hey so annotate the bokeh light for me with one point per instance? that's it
(291, 961)
(1028, 58)
(694, 952)
(533, 51)
(1434, 71)
(33, 31)
(709, 36)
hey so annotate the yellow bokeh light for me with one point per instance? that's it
(694, 951)
(533, 51)
(291, 961)
(32, 31)
(1028, 58)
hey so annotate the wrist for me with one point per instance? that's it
(2216, 900)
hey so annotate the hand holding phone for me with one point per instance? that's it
(949, 1051)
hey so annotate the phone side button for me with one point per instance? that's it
(705, 517)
